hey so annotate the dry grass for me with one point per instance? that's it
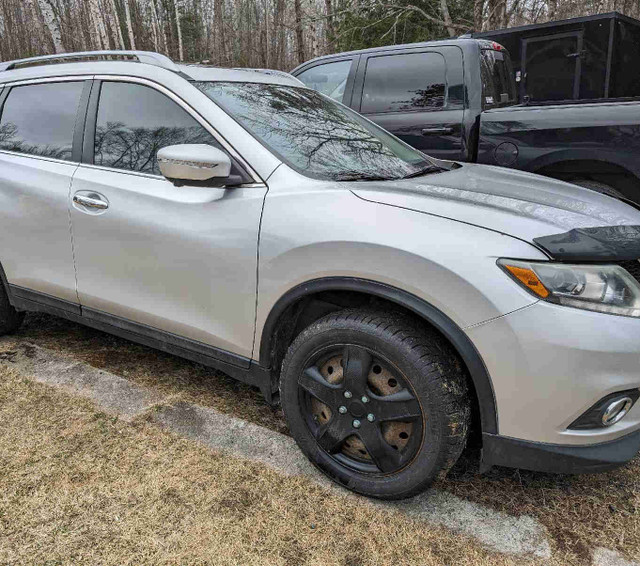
(581, 512)
(80, 487)
(154, 369)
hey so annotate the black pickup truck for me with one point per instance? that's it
(456, 99)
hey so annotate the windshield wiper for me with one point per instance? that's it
(362, 177)
(424, 171)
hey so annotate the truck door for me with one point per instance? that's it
(416, 94)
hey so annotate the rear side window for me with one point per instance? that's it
(329, 79)
(40, 119)
(403, 83)
(136, 121)
(498, 87)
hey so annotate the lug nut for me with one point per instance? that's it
(356, 424)
(348, 395)
(364, 399)
(371, 417)
(342, 409)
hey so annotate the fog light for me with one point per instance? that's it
(616, 411)
(608, 411)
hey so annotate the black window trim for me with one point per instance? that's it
(250, 176)
(5, 90)
(358, 92)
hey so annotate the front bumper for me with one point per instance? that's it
(549, 364)
(557, 458)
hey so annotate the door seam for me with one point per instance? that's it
(73, 249)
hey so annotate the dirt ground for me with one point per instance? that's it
(78, 486)
(580, 512)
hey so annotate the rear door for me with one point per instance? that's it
(39, 152)
(416, 94)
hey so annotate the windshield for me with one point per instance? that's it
(498, 88)
(315, 135)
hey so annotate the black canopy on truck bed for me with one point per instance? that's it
(580, 58)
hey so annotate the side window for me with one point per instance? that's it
(329, 79)
(402, 83)
(135, 121)
(39, 119)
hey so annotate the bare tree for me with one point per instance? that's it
(447, 18)
(299, 36)
(273, 33)
(179, 30)
(52, 24)
(127, 14)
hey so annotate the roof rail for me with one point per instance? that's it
(148, 57)
(272, 72)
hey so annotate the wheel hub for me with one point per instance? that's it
(357, 409)
(382, 382)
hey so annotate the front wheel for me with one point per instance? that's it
(376, 401)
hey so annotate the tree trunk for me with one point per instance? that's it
(159, 25)
(98, 22)
(331, 29)
(127, 14)
(154, 27)
(299, 37)
(179, 29)
(52, 24)
(478, 19)
(118, 39)
(218, 42)
(447, 18)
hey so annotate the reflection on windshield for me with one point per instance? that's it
(315, 135)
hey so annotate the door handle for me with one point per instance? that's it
(90, 202)
(437, 131)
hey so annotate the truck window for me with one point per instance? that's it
(498, 88)
(404, 83)
(329, 79)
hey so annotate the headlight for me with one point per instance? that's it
(600, 288)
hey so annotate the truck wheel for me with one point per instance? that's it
(376, 401)
(10, 318)
(598, 187)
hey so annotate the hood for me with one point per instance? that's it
(520, 204)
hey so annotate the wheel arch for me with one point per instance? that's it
(575, 165)
(283, 319)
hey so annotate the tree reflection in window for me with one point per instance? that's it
(39, 119)
(315, 135)
(135, 122)
(405, 82)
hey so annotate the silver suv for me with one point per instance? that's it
(392, 301)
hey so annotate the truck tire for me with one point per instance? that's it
(10, 318)
(598, 187)
(377, 401)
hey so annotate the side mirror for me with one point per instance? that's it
(196, 164)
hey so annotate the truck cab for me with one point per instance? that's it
(428, 94)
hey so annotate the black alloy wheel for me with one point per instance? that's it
(378, 401)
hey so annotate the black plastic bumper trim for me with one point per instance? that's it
(558, 458)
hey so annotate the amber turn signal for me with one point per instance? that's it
(528, 278)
